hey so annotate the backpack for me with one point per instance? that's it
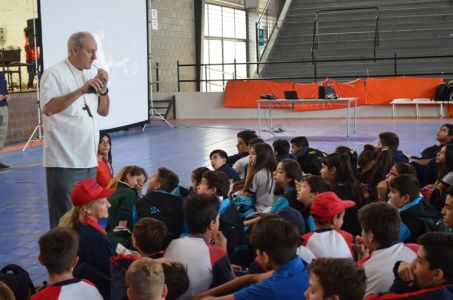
(435, 225)
(326, 92)
(18, 281)
(443, 92)
(312, 160)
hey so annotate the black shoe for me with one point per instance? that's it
(3, 166)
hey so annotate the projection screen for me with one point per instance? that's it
(120, 30)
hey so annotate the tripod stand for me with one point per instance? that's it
(38, 127)
(154, 113)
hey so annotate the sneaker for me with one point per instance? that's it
(3, 166)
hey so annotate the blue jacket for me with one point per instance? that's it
(3, 88)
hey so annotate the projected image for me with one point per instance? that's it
(122, 50)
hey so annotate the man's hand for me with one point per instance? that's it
(5, 97)
(405, 272)
(104, 77)
(93, 86)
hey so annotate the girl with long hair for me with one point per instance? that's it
(259, 180)
(104, 172)
(336, 168)
(128, 182)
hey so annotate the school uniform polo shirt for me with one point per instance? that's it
(328, 242)
(289, 282)
(72, 289)
(72, 136)
(207, 265)
(379, 266)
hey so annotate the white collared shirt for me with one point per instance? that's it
(71, 136)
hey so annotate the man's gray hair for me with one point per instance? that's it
(77, 40)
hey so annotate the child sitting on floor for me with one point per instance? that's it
(204, 250)
(415, 212)
(231, 223)
(328, 240)
(306, 191)
(380, 230)
(160, 202)
(58, 253)
(219, 163)
(335, 278)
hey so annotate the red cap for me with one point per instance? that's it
(88, 190)
(327, 205)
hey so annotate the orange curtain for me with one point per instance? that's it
(375, 91)
(245, 93)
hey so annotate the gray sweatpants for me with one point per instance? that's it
(3, 125)
(60, 182)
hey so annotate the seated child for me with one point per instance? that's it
(383, 187)
(328, 240)
(281, 149)
(392, 141)
(276, 242)
(58, 253)
(285, 176)
(204, 250)
(231, 224)
(380, 230)
(195, 179)
(219, 163)
(306, 191)
(414, 211)
(148, 238)
(161, 204)
(292, 215)
(297, 146)
(447, 211)
(310, 159)
(429, 276)
(145, 279)
(243, 138)
(240, 166)
(122, 212)
(335, 278)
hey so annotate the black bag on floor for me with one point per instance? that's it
(18, 281)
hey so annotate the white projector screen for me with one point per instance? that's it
(120, 30)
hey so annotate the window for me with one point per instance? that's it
(225, 38)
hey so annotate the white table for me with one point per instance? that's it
(270, 103)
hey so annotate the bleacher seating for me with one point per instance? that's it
(406, 28)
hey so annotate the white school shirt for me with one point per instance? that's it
(329, 243)
(73, 289)
(379, 267)
(71, 136)
(263, 188)
(240, 164)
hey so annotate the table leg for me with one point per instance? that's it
(347, 123)
(355, 116)
(259, 119)
(270, 116)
